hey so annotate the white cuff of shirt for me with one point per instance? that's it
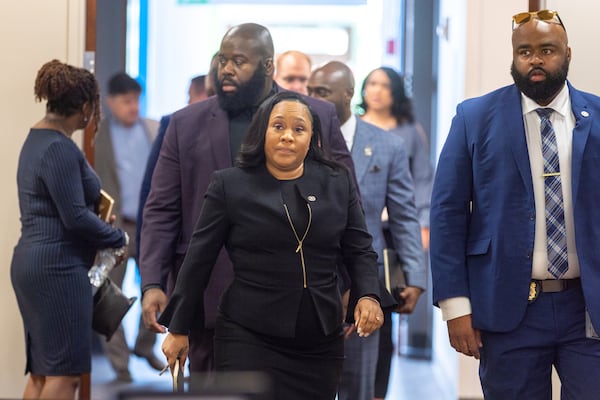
(455, 307)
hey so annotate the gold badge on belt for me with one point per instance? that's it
(534, 291)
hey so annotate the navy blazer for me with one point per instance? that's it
(483, 211)
(195, 145)
(244, 211)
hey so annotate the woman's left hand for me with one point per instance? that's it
(175, 346)
(368, 316)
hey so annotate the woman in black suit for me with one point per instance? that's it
(60, 234)
(287, 217)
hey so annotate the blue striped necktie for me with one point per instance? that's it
(555, 217)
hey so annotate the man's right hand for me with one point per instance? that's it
(154, 302)
(463, 337)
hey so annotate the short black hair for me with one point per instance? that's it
(121, 83)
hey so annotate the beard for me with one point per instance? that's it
(541, 92)
(246, 95)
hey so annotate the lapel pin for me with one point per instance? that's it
(368, 151)
(311, 198)
(585, 114)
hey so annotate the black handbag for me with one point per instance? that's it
(110, 306)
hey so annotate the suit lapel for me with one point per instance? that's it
(310, 185)
(581, 132)
(362, 149)
(218, 133)
(511, 113)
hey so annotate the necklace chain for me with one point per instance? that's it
(300, 241)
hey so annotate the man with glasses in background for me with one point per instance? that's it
(515, 222)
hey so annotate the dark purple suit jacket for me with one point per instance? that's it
(195, 145)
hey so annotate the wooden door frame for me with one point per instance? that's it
(90, 46)
(535, 5)
(85, 384)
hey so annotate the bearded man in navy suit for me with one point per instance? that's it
(200, 139)
(505, 297)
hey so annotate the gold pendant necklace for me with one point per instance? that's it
(300, 241)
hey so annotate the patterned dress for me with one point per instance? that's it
(60, 234)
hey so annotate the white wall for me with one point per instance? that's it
(451, 32)
(183, 39)
(583, 29)
(31, 33)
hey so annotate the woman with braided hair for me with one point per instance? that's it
(60, 234)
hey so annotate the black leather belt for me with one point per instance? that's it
(551, 286)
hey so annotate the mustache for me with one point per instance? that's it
(229, 82)
(536, 69)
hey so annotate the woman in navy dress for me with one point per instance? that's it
(60, 234)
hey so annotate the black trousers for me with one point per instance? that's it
(384, 362)
(295, 373)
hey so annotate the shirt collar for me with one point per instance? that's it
(348, 129)
(559, 104)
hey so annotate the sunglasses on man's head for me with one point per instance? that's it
(543, 15)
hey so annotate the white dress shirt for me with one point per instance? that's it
(563, 122)
(348, 130)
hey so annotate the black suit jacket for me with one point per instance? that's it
(243, 210)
